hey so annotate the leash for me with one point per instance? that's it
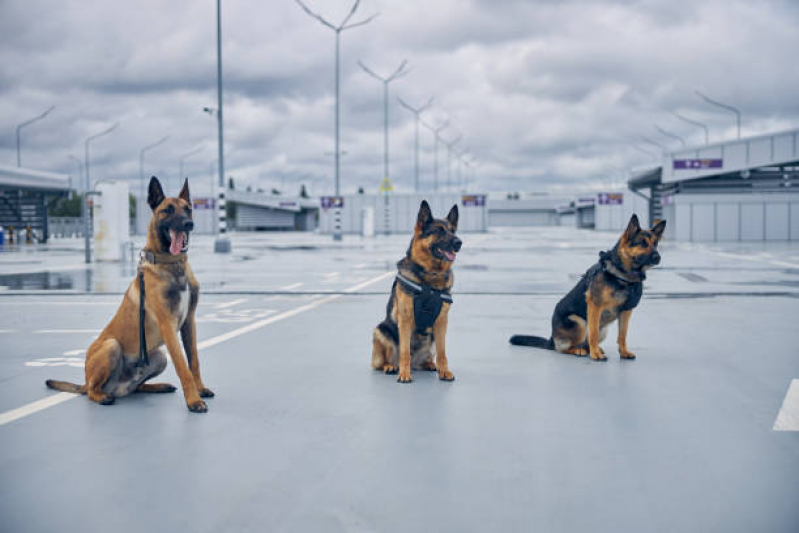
(144, 359)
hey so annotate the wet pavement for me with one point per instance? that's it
(303, 436)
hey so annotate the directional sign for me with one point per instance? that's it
(683, 164)
(332, 201)
(385, 185)
(203, 203)
(610, 198)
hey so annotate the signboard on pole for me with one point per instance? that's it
(332, 202)
(693, 164)
(610, 198)
(385, 185)
(203, 203)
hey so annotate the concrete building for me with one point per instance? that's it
(740, 190)
(25, 195)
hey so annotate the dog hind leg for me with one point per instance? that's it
(102, 360)
(157, 365)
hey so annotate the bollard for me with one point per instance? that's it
(2, 236)
(11, 235)
(28, 235)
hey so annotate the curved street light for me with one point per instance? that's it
(723, 106)
(416, 112)
(28, 123)
(695, 123)
(87, 191)
(141, 162)
(437, 137)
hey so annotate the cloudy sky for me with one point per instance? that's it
(546, 94)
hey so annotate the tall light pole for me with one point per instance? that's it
(222, 243)
(87, 190)
(644, 150)
(663, 147)
(450, 145)
(670, 134)
(437, 137)
(28, 123)
(416, 112)
(143, 151)
(80, 167)
(695, 123)
(345, 25)
(182, 159)
(400, 72)
(723, 106)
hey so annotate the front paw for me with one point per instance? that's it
(390, 369)
(205, 392)
(404, 376)
(626, 354)
(598, 355)
(197, 406)
(445, 375)
(430, 366)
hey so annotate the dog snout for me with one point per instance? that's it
(188, 225)
(655, 258)
(456, 244)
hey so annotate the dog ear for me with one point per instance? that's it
(155, 193)
(658, 228)
(452, 217)
(425, 216)
(632, 228)
(184, 192)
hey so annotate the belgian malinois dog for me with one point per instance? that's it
(114, 365)
(609, 290)
(416, 315)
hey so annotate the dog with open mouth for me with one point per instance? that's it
(158, 304)
(413, 334)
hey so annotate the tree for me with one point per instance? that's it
(66, 207)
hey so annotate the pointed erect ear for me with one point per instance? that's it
(184, 192)
(155, 193)
(658, 228)
(632, 228)
(425, 216)
(452, 217)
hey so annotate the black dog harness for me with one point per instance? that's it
(427, 302)
(635, 287)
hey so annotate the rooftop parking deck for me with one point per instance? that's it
(303, 436)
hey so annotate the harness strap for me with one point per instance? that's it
(415, 288)
(427, 302)
(144, 359)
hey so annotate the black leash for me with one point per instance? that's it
(144, 359)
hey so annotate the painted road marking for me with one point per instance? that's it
(290, 287)
(8, 331)
(55, 399)
(227, 316)
(77, 362)
(231, 304)
(788, 417)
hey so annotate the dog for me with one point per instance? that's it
(115, 366)
(609, 290)
(416, 315)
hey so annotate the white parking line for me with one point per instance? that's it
(93, 331)
(290, 287)
(788, 417)
(8, 331)
(55, 399)
(231, 304)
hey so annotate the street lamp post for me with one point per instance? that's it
(87, 190)
(450, 145)
(670, 134)
(28, 123)
(664, 148)
(436, 137)
(723, 106)
(416, 112)
(80, 168)
(222, 243)
(695, 123)
(386, 81)
(141, 163)
(182, 159)
(338, 29)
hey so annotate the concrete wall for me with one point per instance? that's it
(396, 213)
(616, 217)
(732, 217)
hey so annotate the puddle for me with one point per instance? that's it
(38, 281)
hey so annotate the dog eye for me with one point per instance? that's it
(169, 209)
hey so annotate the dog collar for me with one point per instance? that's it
(148, 256)
(609, 266)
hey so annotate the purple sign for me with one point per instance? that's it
(203, 203)
(610, 198)
(682, 164)
(473, 200)
(332, 201)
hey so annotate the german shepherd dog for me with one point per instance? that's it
(609, 290)
(416, 315)
(171, 293)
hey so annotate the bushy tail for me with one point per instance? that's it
(65, 386)
(532, 340)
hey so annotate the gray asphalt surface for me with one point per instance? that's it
(303, 436)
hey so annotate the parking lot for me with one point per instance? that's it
(303, 436)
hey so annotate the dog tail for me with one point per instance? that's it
(65, 386)
(532, 340)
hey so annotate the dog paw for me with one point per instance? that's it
(598, 356)
(205, 392)
(627, 354)
(404, 377)
(107, 399)
(390, 369)
(446, 375)
(198, 407)
(430, 366)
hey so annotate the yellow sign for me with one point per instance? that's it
(385, 185)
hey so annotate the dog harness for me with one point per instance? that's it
(635, 288)
(427, 302)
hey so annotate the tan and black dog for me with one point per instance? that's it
(114, 367)
(416, 315)
(609, 290)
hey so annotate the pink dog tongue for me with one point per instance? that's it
(177, 242)
(449, 255)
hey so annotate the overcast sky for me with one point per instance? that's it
(546, 94)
